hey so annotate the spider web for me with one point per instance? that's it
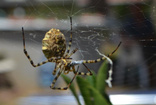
(88, 35)
(93, 29)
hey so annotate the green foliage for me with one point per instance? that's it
(92, 79)
(72, 88)
(101, 77)
(85, 92)
(93, 87)
(98, 98)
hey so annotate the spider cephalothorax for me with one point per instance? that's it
(54, 48)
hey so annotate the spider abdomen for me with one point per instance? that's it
(54, 44)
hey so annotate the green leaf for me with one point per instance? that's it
(101, 78)
(92, 79)
(105, 95)
(84, 89)
(98, 98)
(101, 81)
(72, 88)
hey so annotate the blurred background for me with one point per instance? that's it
(98, 24)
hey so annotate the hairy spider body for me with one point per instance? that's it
(54, 48)
(53, 44)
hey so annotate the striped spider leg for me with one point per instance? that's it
(62, 68)
(29, 58)
(70, 41)
(73, 63)
(102, 58)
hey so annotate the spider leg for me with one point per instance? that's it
(56, 68)
(70, 41)
(102, 58)
(115, 50)
(63, 88)
(82, 73)
(54, 72)
(74, 51)
(73, 77)
(59, 73)
(55, 79)
(27, 55)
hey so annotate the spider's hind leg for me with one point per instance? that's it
(82, 73)
(62, 88)
(55, 79)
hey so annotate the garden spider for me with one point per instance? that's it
(54, 47)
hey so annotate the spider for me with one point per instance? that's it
(54, 49)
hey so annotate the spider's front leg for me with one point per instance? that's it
(70, 41)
